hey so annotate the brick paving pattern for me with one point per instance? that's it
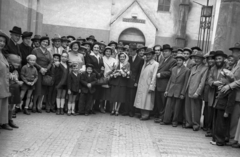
(102, 135)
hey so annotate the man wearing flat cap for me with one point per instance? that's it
(56, 46)
(25, 47)
(195, 86)
(12, 47)
(163, 76)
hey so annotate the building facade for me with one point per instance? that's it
(151, 22)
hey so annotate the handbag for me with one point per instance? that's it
(47, 80)
(103, 81)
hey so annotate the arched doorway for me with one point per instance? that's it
(132, 35)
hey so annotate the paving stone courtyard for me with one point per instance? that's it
(102, 135)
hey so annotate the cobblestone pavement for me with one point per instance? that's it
(103, 135)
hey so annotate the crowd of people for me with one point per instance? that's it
(83, 76)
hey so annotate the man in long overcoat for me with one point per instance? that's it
(146, 86)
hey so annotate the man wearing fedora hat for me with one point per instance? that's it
(65, 43)
(12, 47)
(57, 46)
(163, 76)
(81, 40)
(145, 95)
(214, 82)
(36, 41)
(234, 85)
(136, 64)
(25, 47)
(188, 61)
(71, 38)
(91, 39)
(158, 54)
(195, 86)
(175, 93)
(141, 50)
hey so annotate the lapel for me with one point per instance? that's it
(149, 63)
(196, 69)
(182, 70)
(165, 63)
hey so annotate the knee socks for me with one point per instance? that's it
(62, 103)
(58, 103)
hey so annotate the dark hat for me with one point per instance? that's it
(126, 47)
(220, 53)
(56, 54)
(70, 36)
(175, 49)
(36, 37)
(197, 48)
(27, 34)
(140, 47)
(133, 46)
(180, 49)
(4, 36)
(87, 43)
(180, 56)
(74, 42)
(83, 48)
(198, 54)
(81, 39)
(148, 51)
(89, 65)
(64, 38)
(236, 46)
(103, 43)
(91, 37)
(166, 47)
(56, 37)
(16, 30)
(120, 46)
(188, 49)
(112, 42)
(45, 38)
(210, 54)
(108, 48)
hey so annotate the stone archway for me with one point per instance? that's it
(132, 35)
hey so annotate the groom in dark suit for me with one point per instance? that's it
(163, 76)
(136, 64)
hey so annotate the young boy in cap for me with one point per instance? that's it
(175, 92)
(88, 80)
(29, 75)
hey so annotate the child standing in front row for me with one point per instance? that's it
(88, 80)
(29, 76)
(74, 87)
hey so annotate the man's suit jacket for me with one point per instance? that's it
(135, 70)
(165, 71)
(85, 79)
(12, 48)
(236, 83)
(190, 63)
(74, 82)
(25, 51)
(178, 82)
(196, 81)
(213, 76)
(97, 66)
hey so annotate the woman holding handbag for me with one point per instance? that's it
(118, 83)
(43, 65)
(109, 64)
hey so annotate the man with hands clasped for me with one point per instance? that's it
(175, 92)
(195, 86)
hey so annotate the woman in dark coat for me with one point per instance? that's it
(43, 65)
(98, 68)
(118, 83)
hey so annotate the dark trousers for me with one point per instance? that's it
(209, 117)
(234, 119)
(173, 110)
(221, 126)
(193, 108)
(131, 94)
(51, 98)
(85, 102)
(160, 103)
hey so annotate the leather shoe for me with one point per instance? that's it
(174, 125)
(236, 145)
(12, 124)
(208, 134)
(144, 118)
(6, 127)
(131, 114)
(162, 123)
(124, 114)
(220, 144)
(231, 143)
(26, 111)
(158, 120)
